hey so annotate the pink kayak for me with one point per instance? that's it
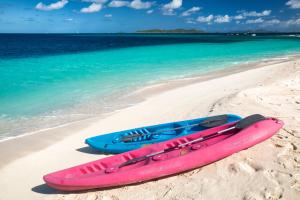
(165, 158)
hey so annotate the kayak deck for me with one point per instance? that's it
(113, 143)
(105, 172)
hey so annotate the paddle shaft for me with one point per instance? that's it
(135, 160)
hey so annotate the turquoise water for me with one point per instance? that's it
(44, 91)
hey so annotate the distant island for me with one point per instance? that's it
(179, 30)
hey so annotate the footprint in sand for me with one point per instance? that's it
(92, 197)
(252, 196)
(233, 168)
(190, 173)
(248, 166)
(69, 197)
(88, 196)
(108, 197)
(296, 182)
(295, 146)
(280, 142)
(274, 194)
(275, 191)
(285, 161)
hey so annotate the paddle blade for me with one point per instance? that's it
(247, 121)
(214, 121)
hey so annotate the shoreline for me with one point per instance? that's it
(269, 88)
(213, 74)
(139, 94)
(48, 136)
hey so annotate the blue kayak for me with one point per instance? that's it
(127, 140)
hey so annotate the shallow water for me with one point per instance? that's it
(48, 80)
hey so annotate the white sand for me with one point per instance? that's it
(270, 170)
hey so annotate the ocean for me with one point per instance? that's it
(47, 80)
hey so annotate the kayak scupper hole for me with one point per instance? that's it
(102, 166)
(90, 169)
(83, 171)
(97, 167)
(169, 145)
(131, 156)
(182, 140)
(127, 157)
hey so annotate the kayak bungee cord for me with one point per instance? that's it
(242, 124)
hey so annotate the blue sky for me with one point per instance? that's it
(94, 16)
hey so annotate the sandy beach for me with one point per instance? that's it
(270, 170)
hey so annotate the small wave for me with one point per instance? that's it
(297, 35)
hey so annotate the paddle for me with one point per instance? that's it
(207, 123)
(242, 124)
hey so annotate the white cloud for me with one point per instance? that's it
(294, 4)
(53, 6)
(271, 22)
(222, 19)
(117, 4)
(168, 9)
(174, 4)
(69, 19)
(293, 22)
(108, 15)
(256, 14)
(149, 11)
(266, 12)
(190, 21)
(95, 1)
(207, 19)
(138, 4)
(211, 18)
(94, 7)
(135, 4)
(255, 21)
(191, 11)
(239, 17)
